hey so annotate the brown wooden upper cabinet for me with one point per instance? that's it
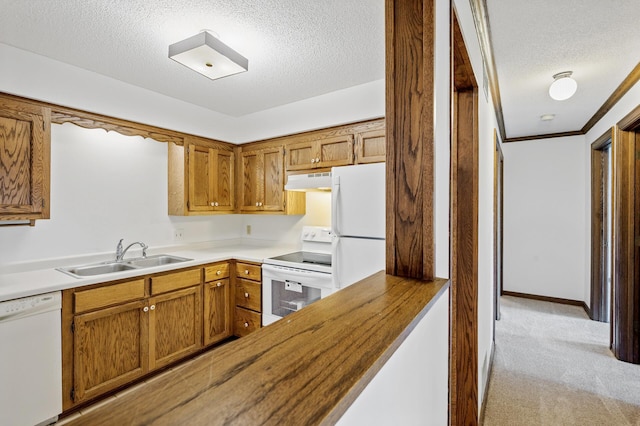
(371, 146)
(25, 141)
(262, 177)
(320, 153)
(201, 179)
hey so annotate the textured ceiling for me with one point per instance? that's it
(534, 39)
(303, 48)
(296, 48)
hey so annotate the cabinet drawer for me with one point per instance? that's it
(246, 321)
(216, 272)
(108, 295)
(248, 271)
(175, 281)
(248, 294)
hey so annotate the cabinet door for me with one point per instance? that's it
(201, 179)
(217, 311)
(272, 180)
(371, 147)
(24, 160)
(301, 156)
(336, 151)
(110, 348)
(175, 326)
(252, 185)
(223, 188)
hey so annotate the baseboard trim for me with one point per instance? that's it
(488, 382)
(572, 302)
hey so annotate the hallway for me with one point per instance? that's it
(552, 366)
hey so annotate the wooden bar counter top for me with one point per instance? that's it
(305, 369)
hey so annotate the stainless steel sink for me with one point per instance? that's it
(96, 269)
(127, 265)
(157, 260)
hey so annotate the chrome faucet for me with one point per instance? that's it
(120, 252)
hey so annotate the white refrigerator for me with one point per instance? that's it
(358, 212)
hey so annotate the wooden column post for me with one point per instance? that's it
(410, 137)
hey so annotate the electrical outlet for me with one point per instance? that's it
(248, 229)
(178, 234)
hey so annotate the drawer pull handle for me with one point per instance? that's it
(219, 272)
(246, 325)
(219, 284)
(145, 309)
(246, 271)
(246, 295)
(153, 307)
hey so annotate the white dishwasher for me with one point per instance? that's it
(30, 360)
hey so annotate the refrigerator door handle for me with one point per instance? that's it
(335, 196)
(335, 246)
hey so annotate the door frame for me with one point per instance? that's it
(625, 315)
(600, 295)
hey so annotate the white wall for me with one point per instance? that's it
(356, 103)
(38, 77)
(410, 389)
(544, 221)
(33, 76)
(106, 186)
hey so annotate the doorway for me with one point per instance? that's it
(601, 228)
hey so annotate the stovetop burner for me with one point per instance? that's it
(305, 258)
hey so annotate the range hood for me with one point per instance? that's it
(309, 182)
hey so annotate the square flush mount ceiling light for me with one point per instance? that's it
(206, 54)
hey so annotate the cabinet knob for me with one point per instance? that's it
(212, 204)
(257, 204)
(153, 307)
(145, 309)
(246, 295)
(317, 160)
(218, 272)
(216, 204)
(246, 272)
(313, 160)
(219, 284)
(246, 325)
(260, 204)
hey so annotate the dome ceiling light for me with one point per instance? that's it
(206, 54)
(563, 86)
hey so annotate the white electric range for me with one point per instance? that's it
(294, 280)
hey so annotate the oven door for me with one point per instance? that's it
(286, 290)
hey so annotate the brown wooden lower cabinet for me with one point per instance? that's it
(248, 298)
(115, 333)
(175, 329)
(217, 311)
(110, 349)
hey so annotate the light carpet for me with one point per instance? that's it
(552, 366)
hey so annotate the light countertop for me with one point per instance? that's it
(28, 279)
